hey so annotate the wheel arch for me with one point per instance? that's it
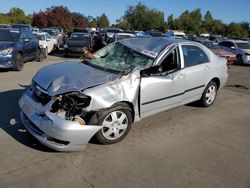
(127, 105)
(217, 81)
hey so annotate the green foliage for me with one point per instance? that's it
(17, 15)
(102, 21)
(236, 30)
(4, 19)
(79, 20)
(136, 17)
(140, 17)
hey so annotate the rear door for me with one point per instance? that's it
(165, 90)
(197, 69)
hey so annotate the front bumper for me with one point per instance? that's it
(6, 61)
(51, 130)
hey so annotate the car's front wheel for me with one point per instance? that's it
(116, 123)
(18, 62)
(209, 94)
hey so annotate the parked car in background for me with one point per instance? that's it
(120, 36)
(103, 95)
(219, 51)
(36, 29)
(176, 34)
(21, 26)
(153, 33)
(75, 44)
(4, 26)
(16, 47)
(240, 48)
(217, 38)
(56, 35)
(45, 42)
(107, 34)
(80, 30)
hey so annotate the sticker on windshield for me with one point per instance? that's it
(149, 53)
(14, 31)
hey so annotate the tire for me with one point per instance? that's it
(46, 53)
(239, 60)
(18, 62)
(209, 94)
(39, 55)
(116, 122)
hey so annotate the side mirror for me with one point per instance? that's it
(151, 71)
(26, 40)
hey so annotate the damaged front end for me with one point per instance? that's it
(58, 122)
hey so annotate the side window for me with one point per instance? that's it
(193, 55)
(23, 36)
(170, 62)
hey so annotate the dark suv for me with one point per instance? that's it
(16, 47)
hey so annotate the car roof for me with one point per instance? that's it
(235, 41)
(149, 46)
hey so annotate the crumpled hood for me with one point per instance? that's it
(71, 76)
(4, 45)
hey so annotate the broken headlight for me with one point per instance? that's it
(72, 104)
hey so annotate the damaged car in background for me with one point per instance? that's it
(70, 102)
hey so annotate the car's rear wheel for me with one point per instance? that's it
(239, 60)
(18, 62)
(116, 123)
(209, 94)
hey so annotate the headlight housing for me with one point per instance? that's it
(6, 51)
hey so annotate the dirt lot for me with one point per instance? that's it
(184, 147)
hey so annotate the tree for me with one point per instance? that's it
(40, 19)
(171, 23)
(60, 16)
(236, 30)
(79, 20)
(4, 19)
(140, 17)
(102, 21)
(16, 15)
(207, 23)
(195, 21)
(92, 21)
(183, 22)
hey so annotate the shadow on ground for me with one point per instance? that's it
(10, 120)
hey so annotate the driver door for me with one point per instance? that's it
(165, 89)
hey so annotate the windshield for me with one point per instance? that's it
(8, 35)
(211, 45)
(79, 37)
(243, 45)
(40, 37)
(120, 58)
(50, 31)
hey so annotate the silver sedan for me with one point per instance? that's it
(70, 102)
